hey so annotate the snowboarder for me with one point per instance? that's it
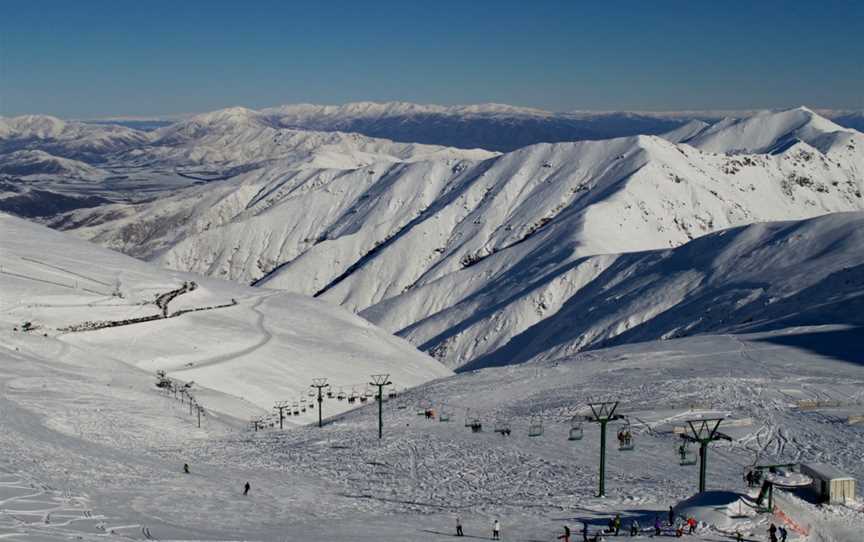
(566, 536)
(691, 523)
(186, 468)
(459, 526)
(246, 489)
(772, 533)
(634, 528)
(783, 533)
(671, 516)
(496, 531)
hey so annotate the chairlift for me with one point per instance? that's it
(363, 398)
(475, 425)
(625, 437)
(296, 409)
(576, 431)
(502, 428)
(311, 392)
(686, 455)
(535, 427)
(353, 397)
(330, 393)
(392, 394)
(341, 395)
(444, 416)
(368, 393)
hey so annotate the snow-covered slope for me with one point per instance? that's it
(246, 346)
(763, 276)
(768, 132)
(38, 163)
(75, 140)
(437, 233)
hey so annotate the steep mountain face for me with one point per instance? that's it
(243, 347)
(424, 244)
(753, 278)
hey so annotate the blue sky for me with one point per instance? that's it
(98, 58)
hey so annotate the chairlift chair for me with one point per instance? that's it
(311, 392)
(296, 409)
(341, 395)
(444, 416)
(476, 425)
(330, 393)
(353, 397)
(502, 428)
(576, 432)
(686, 455)
(391, 394)
(625, 437)
(535, 427)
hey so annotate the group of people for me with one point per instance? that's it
(613, 528)
(625, 439)
(774, 531)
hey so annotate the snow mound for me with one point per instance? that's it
(722, 510)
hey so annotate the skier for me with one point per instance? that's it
(616, 523)
(566, 536)
(459, 526)
(783, 533)
(496, 531)
(691, 522)
(186, 468)
(657, 525)
(246, 489)
(634, 528)
(671, 516)
(772, 533)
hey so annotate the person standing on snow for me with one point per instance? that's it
(671, 517)
(658, 527)
(772, 533)
(616, 523)
(584, 531)
(691, 522)
(566, 536)
(496, 530)
(634, 528)
(783, 533)
(246, 489)
(459, 526)
(186, 468)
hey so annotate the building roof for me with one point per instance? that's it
(826, 471)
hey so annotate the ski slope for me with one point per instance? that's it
(92, 449)
(245, 348)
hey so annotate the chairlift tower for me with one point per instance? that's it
(380, 381)
(704, 431)
(319, 383)
(281, 406)
(603, 413)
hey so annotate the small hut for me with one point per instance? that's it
(830, 483)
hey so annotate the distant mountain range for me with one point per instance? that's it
(467, 253)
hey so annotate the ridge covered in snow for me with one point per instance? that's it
(405, 243)
(245, 348)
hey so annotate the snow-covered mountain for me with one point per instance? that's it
(32, 163)
(489, 126)
(404, 242)
(244, 347)
(91, 143)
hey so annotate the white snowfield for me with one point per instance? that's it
(91, 450)
(461, 255)
(246, 348)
